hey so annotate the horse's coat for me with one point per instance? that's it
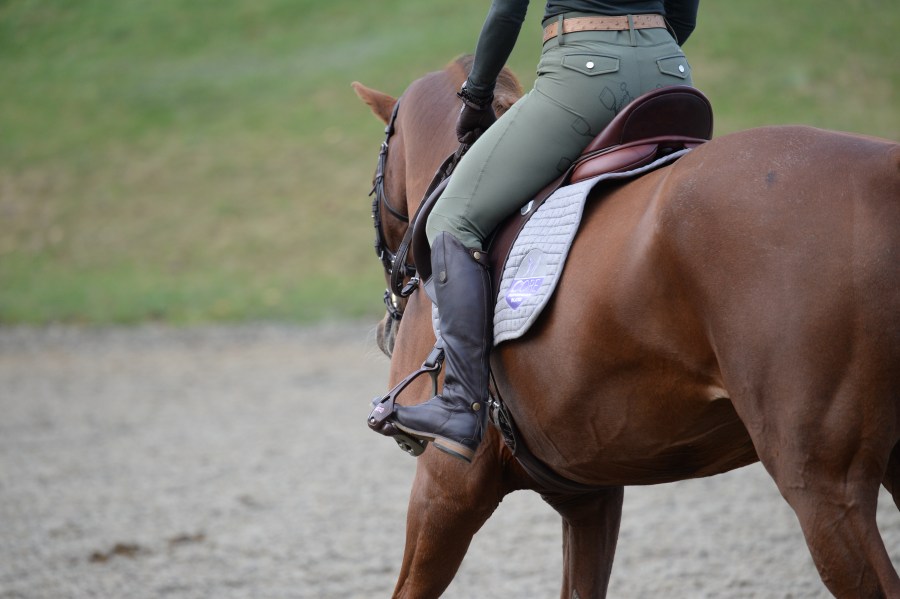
(740, 305)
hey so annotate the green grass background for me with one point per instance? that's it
(206, 160)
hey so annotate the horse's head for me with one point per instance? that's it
(390, 210)
(419, 135)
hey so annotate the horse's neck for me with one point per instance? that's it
(429, 137)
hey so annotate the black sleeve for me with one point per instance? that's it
(682, 16)
(495, 44)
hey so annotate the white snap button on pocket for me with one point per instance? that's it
(681, 68)
(590, 65)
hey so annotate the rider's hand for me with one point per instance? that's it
(476, 115)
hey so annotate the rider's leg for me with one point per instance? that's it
(454, 420)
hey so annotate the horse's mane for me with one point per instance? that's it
(508, 88)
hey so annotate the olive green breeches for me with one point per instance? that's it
(581, 84)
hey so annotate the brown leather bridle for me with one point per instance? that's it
(395, 264)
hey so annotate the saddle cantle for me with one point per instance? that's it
(653, 125)
(659, 122)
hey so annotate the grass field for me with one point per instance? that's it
(207, 160)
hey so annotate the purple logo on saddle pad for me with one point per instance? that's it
(528, 279)
(522, 289)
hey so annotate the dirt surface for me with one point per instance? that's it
(235, 463)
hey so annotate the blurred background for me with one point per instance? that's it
(207, 161)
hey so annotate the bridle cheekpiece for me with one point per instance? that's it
(394, 262)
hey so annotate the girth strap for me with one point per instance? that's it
(550, 481)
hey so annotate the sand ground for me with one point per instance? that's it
(234, 462)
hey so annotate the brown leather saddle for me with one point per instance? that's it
(652, 126)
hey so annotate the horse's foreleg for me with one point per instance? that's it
(440, 525)
(829, 467)
(590, 532)
(449, 502)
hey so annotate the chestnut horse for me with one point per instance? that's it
(742, 304)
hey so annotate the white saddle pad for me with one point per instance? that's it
(538, 255)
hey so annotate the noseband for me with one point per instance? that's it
(394, 263)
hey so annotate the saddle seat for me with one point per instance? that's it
(653, 125)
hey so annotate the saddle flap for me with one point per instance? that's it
(622, 159)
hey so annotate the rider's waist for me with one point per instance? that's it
(598, 23)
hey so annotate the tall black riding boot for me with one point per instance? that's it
(454, 420)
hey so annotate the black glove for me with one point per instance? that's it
(476, 115)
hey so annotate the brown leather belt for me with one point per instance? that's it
(620, 23)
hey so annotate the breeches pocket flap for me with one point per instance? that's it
(676, 66)
(591, 64)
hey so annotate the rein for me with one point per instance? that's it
(395, 263)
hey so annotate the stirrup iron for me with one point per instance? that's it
(383, 407)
